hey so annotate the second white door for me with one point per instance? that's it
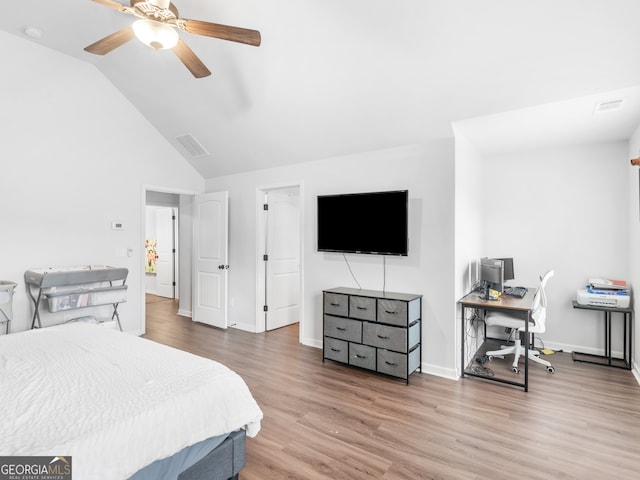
(165, 232)
(210, 257)
(283, 258)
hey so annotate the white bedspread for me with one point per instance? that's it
(112, 401)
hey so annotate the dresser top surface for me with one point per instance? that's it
(407, 297)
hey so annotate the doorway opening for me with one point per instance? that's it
(161, 251)
(279, 252)
(173, 247)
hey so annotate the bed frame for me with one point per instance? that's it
(223, 463)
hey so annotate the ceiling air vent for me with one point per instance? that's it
(608, 106)
(192, 145)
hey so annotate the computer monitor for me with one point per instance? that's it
(507, 264)
(492, 273)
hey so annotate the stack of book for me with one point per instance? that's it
(605, 286)
(608, 284)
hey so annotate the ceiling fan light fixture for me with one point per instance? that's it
(157, 35)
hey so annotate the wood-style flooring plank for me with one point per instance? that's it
(327, 421)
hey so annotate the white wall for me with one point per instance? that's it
(426, 171)
(565, 209)
(75, 156)
(633, 179)
(469, 218)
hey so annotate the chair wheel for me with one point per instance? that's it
(490, 357)
(515, 370)
(551, 370)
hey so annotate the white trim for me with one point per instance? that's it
(259, 325)
(312, 342)
(438, 371)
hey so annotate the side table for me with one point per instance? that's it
(607, 359)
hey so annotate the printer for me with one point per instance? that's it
(605, 293)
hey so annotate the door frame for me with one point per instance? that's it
(259, 244)
(142, 233)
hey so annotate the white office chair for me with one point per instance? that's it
(538, 315)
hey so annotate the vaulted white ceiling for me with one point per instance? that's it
(334, 77)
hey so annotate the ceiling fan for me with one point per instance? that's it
(156, 27)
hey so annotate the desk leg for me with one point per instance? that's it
(628, 340)
(526, 352)
(624, 340)
(630, 317)
(607, 323)
(462, 330)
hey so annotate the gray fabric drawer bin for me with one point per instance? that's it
(363, 308)
(343, 328)
(335, 349)
(393, 363)
(362, 356)
(336, 304)
(383, 336)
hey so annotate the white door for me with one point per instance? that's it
(165, 266)
(283, 258)
(210, 257)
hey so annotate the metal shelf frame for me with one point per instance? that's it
(41, 282)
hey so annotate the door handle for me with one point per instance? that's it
(223, 267)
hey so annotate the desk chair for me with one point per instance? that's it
(538, 315)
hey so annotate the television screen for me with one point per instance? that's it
(374, 223)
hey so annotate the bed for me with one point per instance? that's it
(122, 406)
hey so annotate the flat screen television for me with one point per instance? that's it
(373, 223)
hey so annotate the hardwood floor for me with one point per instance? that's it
(329, 421)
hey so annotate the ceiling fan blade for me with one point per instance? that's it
(190, 60)
(111, 42)
(224, 32)
(114, 5)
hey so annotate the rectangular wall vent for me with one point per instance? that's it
(192, 145)
(607, 106)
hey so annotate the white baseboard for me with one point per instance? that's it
(310, 342)
(438, 371)
(185, 313)
(577, 348)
